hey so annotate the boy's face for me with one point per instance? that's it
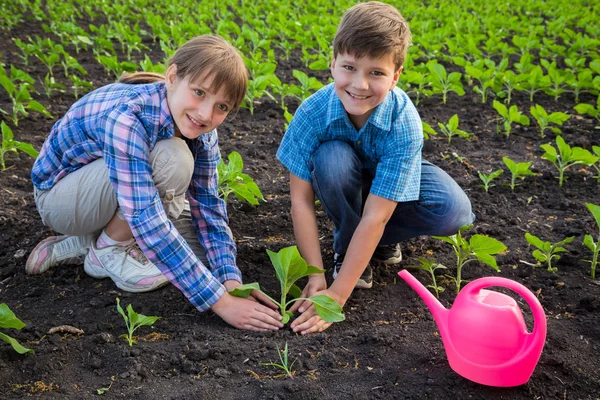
(363, 83)
(195, 108)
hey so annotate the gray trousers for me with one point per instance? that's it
(84, 201)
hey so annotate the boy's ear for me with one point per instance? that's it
(332, 64)
(396, 76)
(171, 75)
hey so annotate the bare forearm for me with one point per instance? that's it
(306, 233)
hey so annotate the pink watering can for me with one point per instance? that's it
(484, 334)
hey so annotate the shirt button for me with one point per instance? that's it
(169, 196)
(359, 142)
(135, 214)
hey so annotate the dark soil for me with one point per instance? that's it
(389, 345)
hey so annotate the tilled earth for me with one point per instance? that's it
(389, 345)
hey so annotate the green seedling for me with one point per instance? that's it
(588, 240)
(546, 251)
(8, 320)
(544, 119)
(428, 131)
(133, 321)
(289, 267)
(596, 150)
(13, 146)
(19, 86)
(517, 170)
(566, 157)
(430, 267)
(509, 116)
(487, 179)
(589, 109)
(233, 180)
(442, 82)
(451, 129)
(283, 358)
(479, 247)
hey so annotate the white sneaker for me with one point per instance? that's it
(56, 250)
(127, 266)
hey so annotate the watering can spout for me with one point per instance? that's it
(439, 312)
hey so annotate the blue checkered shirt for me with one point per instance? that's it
(389, 144)
(122, 124)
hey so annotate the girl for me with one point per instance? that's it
(114, 172)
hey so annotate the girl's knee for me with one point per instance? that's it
(172, 166)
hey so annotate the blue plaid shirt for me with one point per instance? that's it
(122, 124)
(389, 144)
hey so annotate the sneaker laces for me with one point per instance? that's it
(134, 251)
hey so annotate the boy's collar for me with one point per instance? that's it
(380, 117)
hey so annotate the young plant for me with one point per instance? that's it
(9, 144)
(590, 110)
(546, 251)
(428, 131)
(442, 82)
(588, 240)
(19, 86)
(283, 358)
(566, 157)
(517, 170)
(510, 116)
(289, 267)
(8, 320)
(451, 129)
(479, 247)
(487, 179)
(596, 150)
(233, 180)
(133, 321)
(543, 119)
(430, 267)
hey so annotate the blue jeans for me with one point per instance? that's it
(342, 186)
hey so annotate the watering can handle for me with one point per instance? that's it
(539, 317)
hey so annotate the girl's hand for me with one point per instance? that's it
(247, 314)
(316, 283)
(309, 321)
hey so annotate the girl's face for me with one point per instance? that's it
(363, 83)
(195, 108)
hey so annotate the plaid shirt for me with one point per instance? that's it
(389, 144)
(122, 123)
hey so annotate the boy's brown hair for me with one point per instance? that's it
(205, 55)
(374, 30)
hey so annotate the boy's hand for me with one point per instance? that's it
(309, 321)
(247, 314)
(316, 283)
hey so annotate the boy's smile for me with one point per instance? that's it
(363, 83)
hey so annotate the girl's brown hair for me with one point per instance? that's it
(373, 29)
(204, 56)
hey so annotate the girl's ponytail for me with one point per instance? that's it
(139, 78)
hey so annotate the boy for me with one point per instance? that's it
(356, 144)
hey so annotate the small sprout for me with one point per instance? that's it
(430, 267)
(479, 247)
(588, 240)
(283, 358)
(517, 170)
(8, 320)
(566, 157)
(547, 251)
(133, 321)
(487, 179)
(544, 119)
(451, 129)
(233, 180)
